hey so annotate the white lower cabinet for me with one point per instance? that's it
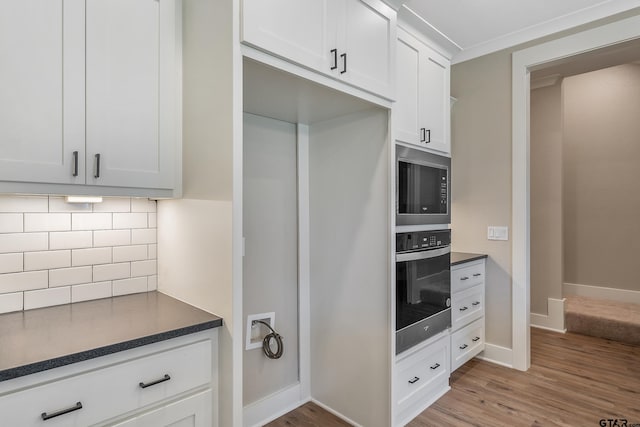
(467, 311)
(421, 377)
(163, 384)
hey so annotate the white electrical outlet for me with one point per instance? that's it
(257, 331)
(497, 233)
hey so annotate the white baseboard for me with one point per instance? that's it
(620, 295)
(336, 413)
(274, 406)
(499, 355)
(554, 320)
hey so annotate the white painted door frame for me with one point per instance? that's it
(525, 61)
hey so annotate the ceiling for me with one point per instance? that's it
(472, 28)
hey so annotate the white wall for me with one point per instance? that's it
(270, 264)
(349, 228)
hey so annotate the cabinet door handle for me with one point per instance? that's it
(334, 52)
(423, 136)
(427, 138)
(414, 380)
(476, 339)
(477, 274)
(46, 416)
(436, 366)
(475, 303)
(463, 346)
(75, 163)
(464, 278)
(465, 308)
(344, 63)
(161, 380)
(97, 174)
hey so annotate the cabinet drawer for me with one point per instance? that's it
(104, 393)
(464, 277)
(416, 372)
(467, 306)
(467, 343)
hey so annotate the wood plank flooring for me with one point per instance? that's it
(574, 380)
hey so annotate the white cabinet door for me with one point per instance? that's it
(194, 411)
(434, 100)
(39, 127)
(126, 55)
(366, 39)
(421, 112)
(298, 30)
(405, 120)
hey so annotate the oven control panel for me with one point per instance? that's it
(421, 240)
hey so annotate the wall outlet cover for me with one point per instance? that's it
(498, 232)
(256, 331)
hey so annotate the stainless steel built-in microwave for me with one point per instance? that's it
(423, 182)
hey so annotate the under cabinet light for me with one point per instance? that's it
(83, 199)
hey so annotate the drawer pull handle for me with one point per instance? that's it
(161, 380)
(477, 274)
(436, 366)
(464, 308)
(414, 380)
(464, 278)
(46, 416)
(476, 339)
(475, 303)
(463, 346)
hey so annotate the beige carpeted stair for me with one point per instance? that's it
(602, 318)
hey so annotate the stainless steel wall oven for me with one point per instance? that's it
(423, 286)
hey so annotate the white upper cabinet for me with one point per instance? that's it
(349, 40)
(82, 80)
(422, 113)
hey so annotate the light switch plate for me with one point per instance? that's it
(497, 232)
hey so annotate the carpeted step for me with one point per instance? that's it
(602, 318)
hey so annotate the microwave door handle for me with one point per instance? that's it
(415, 256)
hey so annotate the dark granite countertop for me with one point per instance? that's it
(462, 257)
(36, 340)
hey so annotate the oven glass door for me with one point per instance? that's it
(423, 285)
(422, 189)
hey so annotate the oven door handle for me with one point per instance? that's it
(414, 256)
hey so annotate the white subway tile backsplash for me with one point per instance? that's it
(111, 271)
(91, 256)
(111, 238)
(143, 268)
(113, 204)
(152, 283)
(143, 205)
(47, 297)
(70, 240)
(24, 203)
(47, 222)
(129, 220)
(46, 260)
(91, 221)
(17, 282)
(11, 223)
(153, 251)
(90, 291)
(129, 253)
(70, 276)
(11, 263)
(143, 236)
(53, 252)
(58, 204)
(153, 220)
(23, 242)
(129, 286)
(11, 302)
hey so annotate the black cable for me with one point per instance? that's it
(266, 342)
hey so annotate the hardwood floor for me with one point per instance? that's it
(574, 380)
